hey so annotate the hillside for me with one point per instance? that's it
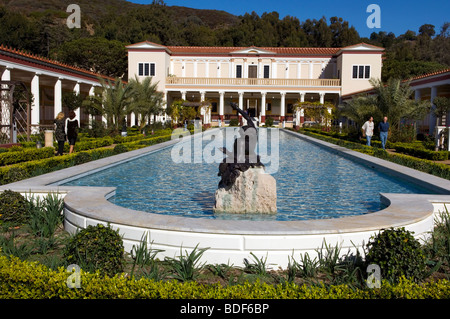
(107, 26)
(95, 10)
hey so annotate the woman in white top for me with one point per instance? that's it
(72, 127)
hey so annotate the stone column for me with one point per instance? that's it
(282, 105)
(263, 107)
(432, 116)
(221, 108)
(302, 111)
(322, 97)
(205, 114)
(164, 105)
(76, 90)
(35, 106)
(57, 97)
(241, 105)
(5, 114)
(91, 118)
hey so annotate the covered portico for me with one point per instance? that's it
(260, 104)
(47, 80)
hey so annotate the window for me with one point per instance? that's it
(252, 71)
(367, 72)
(239, 71)
(361, 72)
(266, 71)
(214, 107)
(146, 69)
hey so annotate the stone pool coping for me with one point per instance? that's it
(233, 239)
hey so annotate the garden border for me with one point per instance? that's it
(231, 241)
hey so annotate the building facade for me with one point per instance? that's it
(47, 80)
(266, 82)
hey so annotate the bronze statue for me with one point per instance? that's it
(243, 155)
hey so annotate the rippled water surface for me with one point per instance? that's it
(312, 183)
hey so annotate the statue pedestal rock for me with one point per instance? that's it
(253, 191)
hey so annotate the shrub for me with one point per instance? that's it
(13, 174)
(120, 148)
(13, 208)
(23, 155)
(269, 122)
(96, 248)
(45, 215)
(234, 122)
(31, 280)
(397, 253)
(81, 158)
(421, 152)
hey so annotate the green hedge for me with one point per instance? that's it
(424, 165)
(31, 280)
(420, 152)
(25, 154)
(88, 144)
(16, 172)
(20, 171)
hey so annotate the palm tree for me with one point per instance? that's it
(146, 99)
(115, 103)
(395, 101)
(360, 108)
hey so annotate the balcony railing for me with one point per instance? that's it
(252, 82)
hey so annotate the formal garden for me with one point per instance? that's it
(36, 251)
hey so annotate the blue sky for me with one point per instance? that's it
(396, 16)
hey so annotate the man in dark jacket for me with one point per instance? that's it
(384, 129)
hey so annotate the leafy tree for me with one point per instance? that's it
(72, 100)
(441, 107)
(427, 30)
(180, 112)
(107, 57)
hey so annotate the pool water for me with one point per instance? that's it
(312, 183)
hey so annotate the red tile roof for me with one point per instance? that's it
(37, 59)
(229, 50)
(429, 74)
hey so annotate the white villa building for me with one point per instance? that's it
(264, 81)
(267, 82)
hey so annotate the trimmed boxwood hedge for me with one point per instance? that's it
(31, 280)
(25, 154)
(16, 172)
(427, 166)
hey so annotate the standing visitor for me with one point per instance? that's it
(384, 129)
(72, 130)
(60, 133)
(368, 130)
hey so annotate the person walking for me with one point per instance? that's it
(60, 132)
(72, 127)
(384, 129)
(368, 130)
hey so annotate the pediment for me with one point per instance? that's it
(253, 50)
(146, 45)
(362, 47)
